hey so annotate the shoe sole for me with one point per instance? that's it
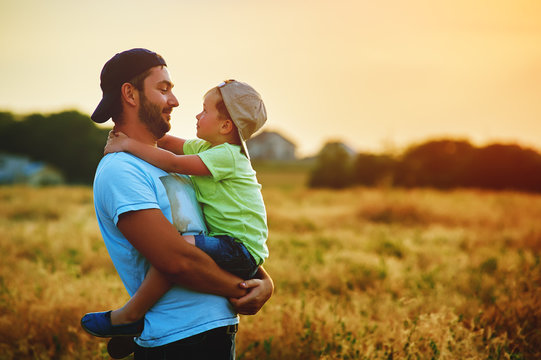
(121, 346)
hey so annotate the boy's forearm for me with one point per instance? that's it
(158, 157)
(172, 143)
(166, 160)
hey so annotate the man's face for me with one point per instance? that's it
(157, 102)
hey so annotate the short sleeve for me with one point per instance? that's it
(220, 161)
(123, 186)
(195, 146)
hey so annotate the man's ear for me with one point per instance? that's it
(129, 94)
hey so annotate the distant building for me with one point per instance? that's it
(20, 170)
(270, 145)
(337, 146)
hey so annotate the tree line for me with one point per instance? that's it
(441, 164)
(72, 143)
(69, 141)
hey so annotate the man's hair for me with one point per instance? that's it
(138, 82)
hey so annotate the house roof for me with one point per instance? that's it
(263, 136)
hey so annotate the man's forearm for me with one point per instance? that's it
(197, 271)
(182, 263)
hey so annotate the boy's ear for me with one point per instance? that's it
(129, 94)
(227, 127)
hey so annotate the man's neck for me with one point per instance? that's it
(137, 131)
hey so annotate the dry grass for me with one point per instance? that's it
(359, 273)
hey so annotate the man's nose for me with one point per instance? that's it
(172, 101)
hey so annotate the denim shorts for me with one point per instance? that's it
(229, 254)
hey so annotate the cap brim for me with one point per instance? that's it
(243, 146)
(103, 110)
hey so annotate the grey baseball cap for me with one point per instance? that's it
(246, 108)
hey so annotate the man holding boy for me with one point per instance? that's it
(135, 207)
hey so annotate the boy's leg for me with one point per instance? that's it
(128, 320)
(229, 254)
(153, 287)
(151, 290)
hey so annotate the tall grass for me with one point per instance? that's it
(359, 274)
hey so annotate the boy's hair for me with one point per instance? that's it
(220, 104)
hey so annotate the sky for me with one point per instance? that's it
(377, 75)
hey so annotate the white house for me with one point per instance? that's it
(270, 145)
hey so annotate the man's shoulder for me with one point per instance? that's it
(116, 163)
(119, 159)
(124, 183)
(124, 167)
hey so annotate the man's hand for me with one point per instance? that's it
(259, 291)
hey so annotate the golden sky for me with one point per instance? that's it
(375, 74)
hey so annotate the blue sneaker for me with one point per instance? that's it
(99, 324)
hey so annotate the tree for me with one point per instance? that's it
(500, 166)
(333, 168)
(372, 170)
(69, 141)
(439, 163)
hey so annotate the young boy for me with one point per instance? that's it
(225, 185)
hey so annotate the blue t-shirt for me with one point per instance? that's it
(125, 183)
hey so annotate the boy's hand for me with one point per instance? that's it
(116, 142)
(259, 291)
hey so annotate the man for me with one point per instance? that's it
(135, 205)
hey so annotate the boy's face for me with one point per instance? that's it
(209, 121)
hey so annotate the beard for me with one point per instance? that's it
(151, 115)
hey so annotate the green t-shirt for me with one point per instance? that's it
(231, 198)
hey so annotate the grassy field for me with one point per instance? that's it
(359, 274)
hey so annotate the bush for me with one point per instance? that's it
(441, 164)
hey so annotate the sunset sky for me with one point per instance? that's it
(378, 75)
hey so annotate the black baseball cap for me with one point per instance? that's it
(120, 69)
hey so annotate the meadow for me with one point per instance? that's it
(362, 273)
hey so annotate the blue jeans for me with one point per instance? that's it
(215, 344)
(229, 254)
